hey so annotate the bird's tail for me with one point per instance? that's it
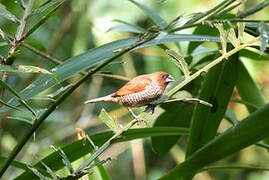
(107, 98)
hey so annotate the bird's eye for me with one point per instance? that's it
(170, 79)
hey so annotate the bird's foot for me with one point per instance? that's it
(137, 118)
(150, 108)
(140, 120)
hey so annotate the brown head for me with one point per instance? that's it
(161, 78)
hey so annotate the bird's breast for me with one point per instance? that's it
(141, 98)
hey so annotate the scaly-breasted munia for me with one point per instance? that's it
(139, 91)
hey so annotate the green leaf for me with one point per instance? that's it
(24, 69)
(254, 54)
(126, 27)
(254, 9)
(16, 164)
(22, 119)
(176, 115)
(179, 61)
(10, 106)
(94, 56)
(217, 90)
(108, 120)
(154, 16)
(8, 15)
(247, 89)
(20, 99)
(203, 29)
(80, 148)
(45, 7)
(233, 140)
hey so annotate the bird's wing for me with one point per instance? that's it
(135, 85)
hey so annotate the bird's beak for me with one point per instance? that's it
(170, 79)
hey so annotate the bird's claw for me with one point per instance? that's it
(140, 120)
(150, 108)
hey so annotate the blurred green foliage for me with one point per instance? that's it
(77, 35)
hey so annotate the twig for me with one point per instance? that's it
(41, 54)
(189, 100)
(210, 65)
(19, 32)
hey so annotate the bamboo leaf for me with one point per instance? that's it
(126, 27)
(9, 16)
(247, 88)
(65, 159)
(24, 69)
(16, 164)
(179, 61)
(45, 7)
(254, 54)
(108, 120)
(80, 148)
(217, 90)
(234, 139)
(10, 106)
(154, 16)
(170, 118)
(21, 100)
(254, 9)
(204, 29)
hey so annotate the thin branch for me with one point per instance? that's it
(191, 100)
(41, 54)
(210, 65)
(41, 22)
(19, 32)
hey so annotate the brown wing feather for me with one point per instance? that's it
(137, 84)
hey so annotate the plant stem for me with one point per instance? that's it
(19, 32)
(210, 65)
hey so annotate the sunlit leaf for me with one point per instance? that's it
(151, 13)
(108, 120)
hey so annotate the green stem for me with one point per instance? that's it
(20, 30)
(42, 21)
(210, 65)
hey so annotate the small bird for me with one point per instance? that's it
(139, 91)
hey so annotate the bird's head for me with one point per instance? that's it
(163, 78)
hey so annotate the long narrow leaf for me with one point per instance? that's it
(47, 6)
(247, 88)
(234, 139)
(79, 149)
(8, 15)
(217, 90)
(162, 144)
(154, 16)
(20, 99)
